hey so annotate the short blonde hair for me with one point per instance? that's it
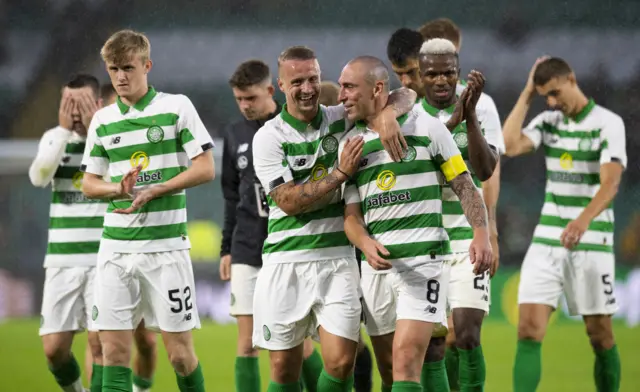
(329, 92)
(122, 45)
(438, 46)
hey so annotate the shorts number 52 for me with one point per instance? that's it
(174, 296)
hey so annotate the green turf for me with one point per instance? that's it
(567, 358)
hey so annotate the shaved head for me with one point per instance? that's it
(374, 70)
(364, 87)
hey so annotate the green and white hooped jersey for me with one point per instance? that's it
(402, 201)
(575, 148)
(287, 149)
(75, 222)
(458, 228)
(161, 132)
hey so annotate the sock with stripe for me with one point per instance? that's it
(141, 384)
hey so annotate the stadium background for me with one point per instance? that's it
(195, 47)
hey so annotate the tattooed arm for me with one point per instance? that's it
(295, 199)
(472, 203)
(401, 101)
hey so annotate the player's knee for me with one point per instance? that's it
(182, 359)
(283, 370)
(436, 349)
(116, 352)
(468, 337)
(340, 365)
(600, 333)
(55, 353)
(407, 363)
(530, 329)
(146, 344)
(96, 347)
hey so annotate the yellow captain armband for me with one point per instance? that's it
(453, 167)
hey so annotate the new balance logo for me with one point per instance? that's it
(115, 140)
(485, 298)
(432, 309)
(363, 162)
(187, 317)
(300, 162)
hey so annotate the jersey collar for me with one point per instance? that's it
(141, 104)
(362, 124)
(584, 112)
(432, 110)
(299, 125)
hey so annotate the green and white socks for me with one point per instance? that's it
(141, 384)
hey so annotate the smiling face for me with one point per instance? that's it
(299, 80)
(356, 92)
(440, 77)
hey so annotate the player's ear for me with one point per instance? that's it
(100, 103)
(281, 85)
(572, 79)
(148, 65)
(271, 90)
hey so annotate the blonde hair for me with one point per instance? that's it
(329, 92)
(438, 46)
(122, 45)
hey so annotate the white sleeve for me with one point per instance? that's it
(95, 159)
(490, 123)
(337, 113)
(534, 129)
(269, 160)
(443, 148)
(193, 135)
(613, 147)
(50, 150)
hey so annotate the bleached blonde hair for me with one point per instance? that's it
(437, 46)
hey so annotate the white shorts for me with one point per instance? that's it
(293, 299)
(243, 285)
(466, 289)
(585, 277)
(416, 294)
(158, 287)
(67, 299)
